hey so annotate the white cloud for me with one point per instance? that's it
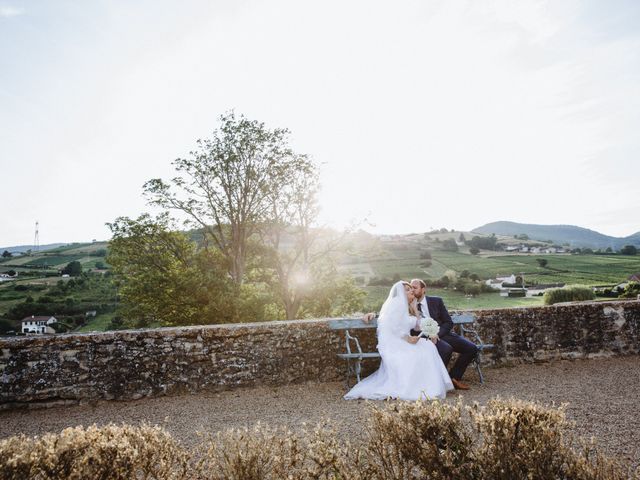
(6, 11)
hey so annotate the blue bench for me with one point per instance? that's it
(463, 322)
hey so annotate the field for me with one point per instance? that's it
(403, 257)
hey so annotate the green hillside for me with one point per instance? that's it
(560, 234)
(403, 257)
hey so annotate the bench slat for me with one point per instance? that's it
(359, 355)
(463, 318)
(351, 323)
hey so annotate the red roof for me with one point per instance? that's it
(37, 319)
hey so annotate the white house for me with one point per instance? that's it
(39, 325)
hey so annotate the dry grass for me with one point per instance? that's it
(506, 439)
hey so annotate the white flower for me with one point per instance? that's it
(429, 326)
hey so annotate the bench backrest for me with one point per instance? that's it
(351, 323)
(356, 323)
(463, 318)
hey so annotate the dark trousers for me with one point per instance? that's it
(452, 342)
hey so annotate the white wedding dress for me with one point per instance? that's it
(407, 371)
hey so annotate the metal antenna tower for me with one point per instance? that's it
(36, 239)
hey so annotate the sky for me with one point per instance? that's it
(422, 114)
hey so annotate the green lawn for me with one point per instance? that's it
(100, 323)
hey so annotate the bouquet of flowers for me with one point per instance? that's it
(429, 326)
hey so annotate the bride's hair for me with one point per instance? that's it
(412, 311)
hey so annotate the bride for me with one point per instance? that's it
(411, 367)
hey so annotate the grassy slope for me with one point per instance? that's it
(401, 256)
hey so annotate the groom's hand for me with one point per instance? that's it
(434, 338)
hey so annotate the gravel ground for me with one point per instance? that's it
(602, 397)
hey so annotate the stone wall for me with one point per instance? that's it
(50, 370)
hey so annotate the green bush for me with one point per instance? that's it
(570, 293)
(632, 290)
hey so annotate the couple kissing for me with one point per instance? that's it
(414, 360)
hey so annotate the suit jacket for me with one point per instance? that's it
(439, 313)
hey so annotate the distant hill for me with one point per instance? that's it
(560, 234)
(24, 248)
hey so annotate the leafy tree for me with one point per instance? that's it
(6, 325)
(100, 265)
(632, 290)
(587, 251)
(461, 238)
(542, 262)
(298, 255)
(12, 273)
(227, 185)
(72, 269)
(164, 279)
(450, 245)
(474, 251)
(628, 250)
(7, 254)
(484, 243)
(609, 250)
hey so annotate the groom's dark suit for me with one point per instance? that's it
(450, 341)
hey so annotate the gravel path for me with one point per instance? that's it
(603, 398)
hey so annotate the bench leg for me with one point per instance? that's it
(358, 368)
(349, 371)
(477, 361)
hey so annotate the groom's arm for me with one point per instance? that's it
(446, 324)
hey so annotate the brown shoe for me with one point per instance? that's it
(459, 385)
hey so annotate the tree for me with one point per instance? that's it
(7, 254)
(474, 251)
(461, 237)
(227, 185)
(299, 254)
(72, 269)
(632, 290)
(450, 245)
(6, 325)
(163, 278)
(628, 250)
(542, 262)
(484, 243)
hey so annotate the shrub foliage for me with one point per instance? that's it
(506, 439)
(570, 293)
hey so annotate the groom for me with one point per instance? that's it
(446, 340)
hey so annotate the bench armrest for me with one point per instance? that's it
(473, 333)
(355, 340)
